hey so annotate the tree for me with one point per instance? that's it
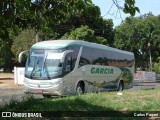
(53, 17)
(6, 55)
(134, 34)
(38, 14)
(129, 7)
(22, 42)
(86, 34)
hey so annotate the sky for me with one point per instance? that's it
(145, 6)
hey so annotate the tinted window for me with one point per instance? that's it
(86, 57)
(74, 54)
(105, 57)
(99, 57)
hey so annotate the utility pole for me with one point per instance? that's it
(37, 37)
(149, 45)
(150, 57)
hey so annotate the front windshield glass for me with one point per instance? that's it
(44, 64)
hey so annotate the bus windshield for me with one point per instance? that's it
(44, 64)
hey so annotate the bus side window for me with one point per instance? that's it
(85, 57)
(74, 55)
(83, 62)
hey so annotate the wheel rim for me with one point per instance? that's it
(120, 87)
(79, 90)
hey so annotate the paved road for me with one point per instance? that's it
(17, 93)
(7, 95)
(144, 86)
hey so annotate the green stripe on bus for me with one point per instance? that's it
(46, 47)
(57, 47)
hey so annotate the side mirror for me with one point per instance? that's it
(20, 56)
(64, 55)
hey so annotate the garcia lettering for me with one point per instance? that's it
(101, 70)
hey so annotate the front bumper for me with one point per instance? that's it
(53, 87)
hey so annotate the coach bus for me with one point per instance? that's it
(63, 67)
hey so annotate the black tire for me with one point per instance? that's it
(80, 88)
(47, 96)
(120, 86)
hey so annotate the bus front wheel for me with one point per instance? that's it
(80, 88)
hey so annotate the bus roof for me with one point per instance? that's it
(54, 44)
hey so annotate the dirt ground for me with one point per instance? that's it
(7, 81)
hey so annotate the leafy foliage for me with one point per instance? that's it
(156, 67)
(45, 16)
(135, 34)
(129, 7)
(6, 55)
(86, 34)
(82, 33)
(57, 18)
(23, 42)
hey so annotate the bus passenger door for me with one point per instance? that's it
(67, 74)
(84, 67)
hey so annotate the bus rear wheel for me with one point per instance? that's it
(80, 88)
(120, 86)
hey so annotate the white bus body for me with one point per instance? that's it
(63, 67)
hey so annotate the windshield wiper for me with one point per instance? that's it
(35, 64)
(44, 66)
(46, 71)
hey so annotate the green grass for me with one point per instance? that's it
(139, 100)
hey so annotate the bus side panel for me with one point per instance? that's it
(71, 80)
(102, 77)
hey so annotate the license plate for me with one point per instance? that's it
(39, 91)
